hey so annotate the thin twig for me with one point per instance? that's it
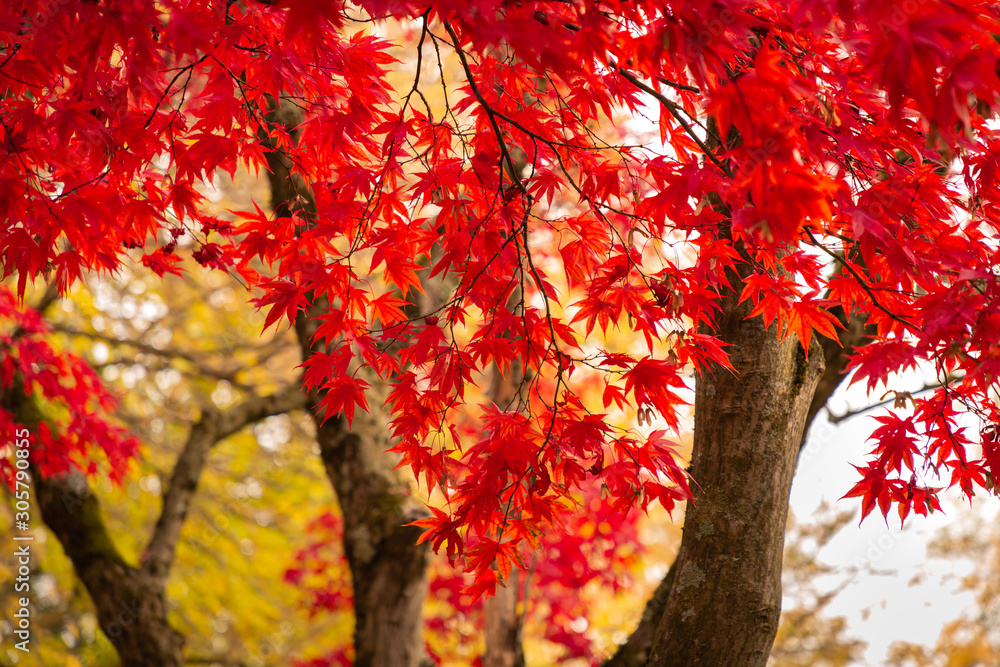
(674, 110)
(836, 419)
(861, 280)
(486, 107)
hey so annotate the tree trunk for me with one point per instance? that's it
(503, 626)
(635, 652)
(503, 623)
(725, 601)
(387, 565)
(130, 602)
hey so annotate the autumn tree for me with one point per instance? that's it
(68, 419)
(804, 188)
(177, 350)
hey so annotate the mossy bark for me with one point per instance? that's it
(130, 602)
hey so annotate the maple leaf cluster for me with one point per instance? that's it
(597, 543)
(821, 160)
(76, 427)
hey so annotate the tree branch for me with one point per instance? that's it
(861, 281)
(214, 426)
(507, 160)
(73, 514)
(856, 332)
(674, 110)
(166, 353)
(836, 419)
(50, 296)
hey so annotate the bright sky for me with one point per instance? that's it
(880, 608)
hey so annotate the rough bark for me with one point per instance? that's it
(749, 430)
(724, 605)
(130, 602)
(635, 651)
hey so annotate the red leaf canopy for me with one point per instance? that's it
(818, 157)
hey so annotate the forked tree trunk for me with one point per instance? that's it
(725, 601)
(130, 602)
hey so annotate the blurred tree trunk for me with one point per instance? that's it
(388, 567)
(503, 626)
(503, 622)
(130, 600)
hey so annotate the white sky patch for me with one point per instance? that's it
(884, 605)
